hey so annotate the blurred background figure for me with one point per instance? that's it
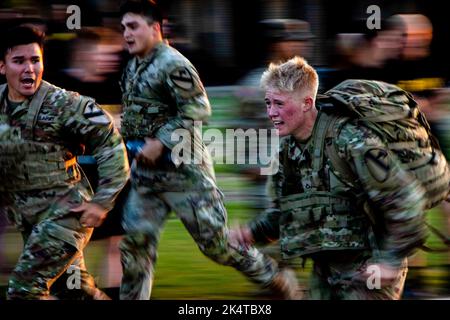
(93, 69)
(175, 34)
(419, 33)
(283, 39)
(93, 65)
(287, 38)
(415, 69)
(363, 53)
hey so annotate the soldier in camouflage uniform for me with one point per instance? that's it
(42, 128)
(162, 92)
(321, 216)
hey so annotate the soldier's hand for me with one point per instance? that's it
(151, 151)
(93, 214)
(241, 236)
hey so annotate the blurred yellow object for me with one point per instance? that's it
(112, 108)
(66, 36)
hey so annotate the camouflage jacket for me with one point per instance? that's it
(385, 200)
(162, 95)
(65, 125)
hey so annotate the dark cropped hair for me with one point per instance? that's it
(146, 8)
(20, 35)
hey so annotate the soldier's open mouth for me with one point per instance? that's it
(278, 123)
(27, 81)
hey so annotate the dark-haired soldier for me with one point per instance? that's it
(162, 93)
(42, 128)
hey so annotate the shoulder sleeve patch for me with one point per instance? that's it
(95, 114)
(185, 82)
(182, 78)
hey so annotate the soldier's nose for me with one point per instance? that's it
(272, 112)
(28, 67)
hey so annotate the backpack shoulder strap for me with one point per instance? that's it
(288, 171)
(33, 110)
(2, 96)
(2, 90)
(324, 122)
(339, 167)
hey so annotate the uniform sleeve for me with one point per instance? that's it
(189, 96)
(95, 129)
(266, 227)
(394, 194)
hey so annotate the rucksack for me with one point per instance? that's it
(396, 117)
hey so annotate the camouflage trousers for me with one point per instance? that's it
(53, 249)
(340, 277)
(203, 215)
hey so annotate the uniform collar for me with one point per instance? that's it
(298, 150)
(150, 56)
(7, 106)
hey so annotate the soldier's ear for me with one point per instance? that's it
(2, 67)
(156, 27)
(309, 104)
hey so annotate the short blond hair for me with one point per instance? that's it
(292, 75)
